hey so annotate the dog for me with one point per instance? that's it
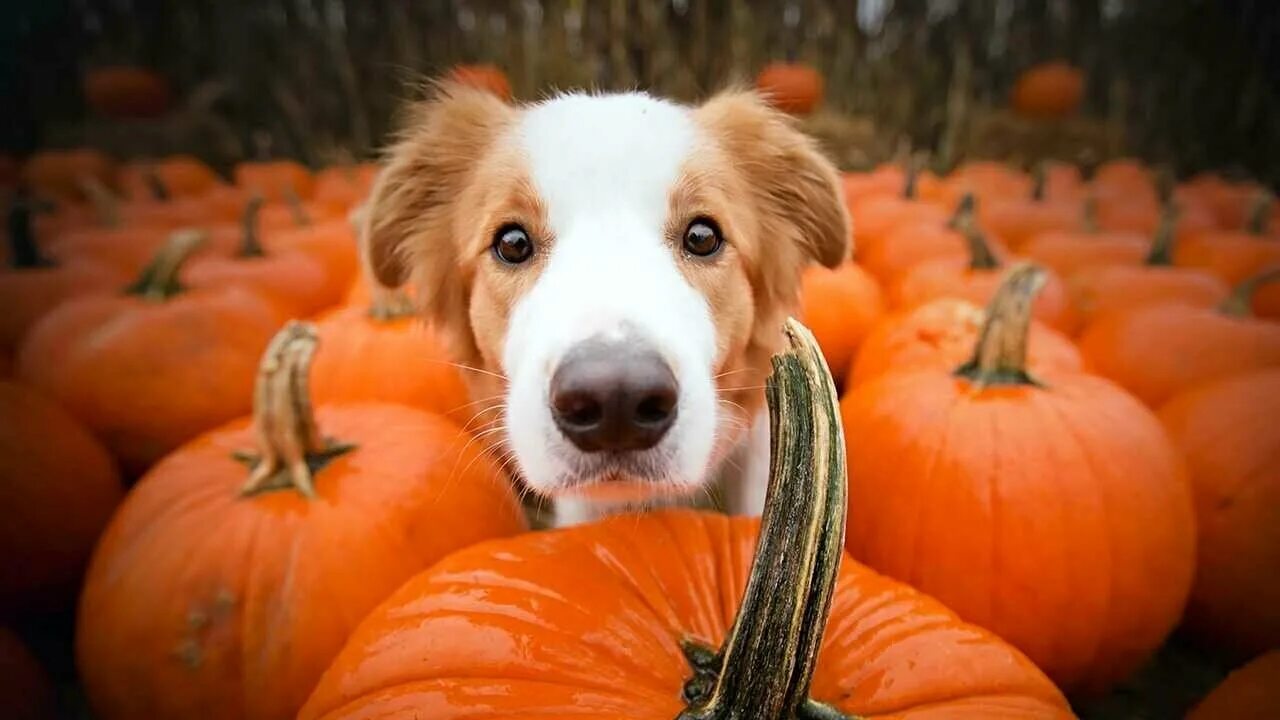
(617, 269)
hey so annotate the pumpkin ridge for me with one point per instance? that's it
(912, 570)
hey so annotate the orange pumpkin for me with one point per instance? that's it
(151, 368)
(911, 244)
(793, 88)
(275, 180)
(58, 486)
(344, 186)
(61, 174)
(1067, 253)
(940, 335)
(998, 491)
(1156, 351)
(124, 91)
(1234, 255)
(840, 306)
(975, 278)
(1048, 91)
(986, 180)
(617, 619)
(1018, 222)
(485, 77)
(332, 243)
(171, 177)
(1228, 433)
(1251, 692)
(877, 215)
(382, 352)
(310, 531)
(25, 690)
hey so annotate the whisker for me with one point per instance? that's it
(742, 388)
(469, 368)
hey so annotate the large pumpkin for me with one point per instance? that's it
(25, 690)
(840, 306)
(619, 619)
(1049, 508)
(1228, 432)
(238, 566)
(1156, 351)
(793, 88)
(153, 367)
(58, 486)
(1251, 692)
(912, 243)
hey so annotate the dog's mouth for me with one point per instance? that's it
(621, 477)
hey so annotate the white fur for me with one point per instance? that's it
(605, 166)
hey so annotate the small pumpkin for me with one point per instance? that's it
(1067, 253)
(941, 335)
(1234, 255)
(911, 244)
(1048, 91)
(62, 174)
(1156, 351)
(25, 690)
(1251, 692)
(126, 91)
(155, 365)
(985, 180)
(176, 176)
(1227, 430)
(275, 180)
(238, 566)
(381, 351)
(997, 491)
(793, 88)
(58, 486)
(344, 186)
(485, 77)
(877, 215)
(331, 242)
(840, 306)
(620, 618)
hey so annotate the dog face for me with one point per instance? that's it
(622, 263)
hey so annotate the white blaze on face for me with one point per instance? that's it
(604, 167)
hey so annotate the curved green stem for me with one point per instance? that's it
(1240, 302)
(1166, 235)
(765, 666)
(159, 279)
(1000, 357)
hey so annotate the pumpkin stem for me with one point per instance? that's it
(1039, 178)
(250, 242)
(1166, 182)
(1000, 357)
(389, 304)
(1260, 213)
(1091, 214)
(159, 279)
(24, 252)
(105, 203)
(981, 257)
(1240, 302)
(290, 447)
(963, 214)
(764, 668)
(296, 208)
(159, 191)
(1162, 244)
(911, 177)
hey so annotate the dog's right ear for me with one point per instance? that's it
(408, 218)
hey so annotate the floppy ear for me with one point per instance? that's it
(408, 219)
(795, 187)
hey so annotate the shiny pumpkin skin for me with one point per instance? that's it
(1058, 517)
(941, 335)
(1251, 692)
(586, 622)
(1097, 292)
(398, 360)
(146, 376)
(791, 87)
(25, 690)
(953, 278)
(840, 306)
(58, 486)
(1227, 431)
(1157, 351)
(201, 603)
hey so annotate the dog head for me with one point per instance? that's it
(623, 263)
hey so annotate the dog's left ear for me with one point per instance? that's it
(795, 186)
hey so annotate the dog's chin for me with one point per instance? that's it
(613, 488)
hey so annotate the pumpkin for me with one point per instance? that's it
(986, 180)
(33, 284)
(620, 618)
(1018, 221)
(166, 179)
(1048, 91)
(61, 174)
(1228, 433)
(876, 215)
(383, 352)
(1234, 255)
(911, 244)
(275, 180)
(941, 334)
(1251, 692)
(154, 366)
(332, 243)
(1156, 351)
(485, 77)
(58, 486)
(975, 278)
(124, 91)
(998, 492)
(344, 186)
(1097, 291)
(840, 306)
(1067, 253)
(25, 690)
(295, 282)
(793, 88)
(315, 516)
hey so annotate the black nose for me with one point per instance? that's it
(613, 396)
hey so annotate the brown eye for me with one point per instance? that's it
(702, 238)
(512, 245)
